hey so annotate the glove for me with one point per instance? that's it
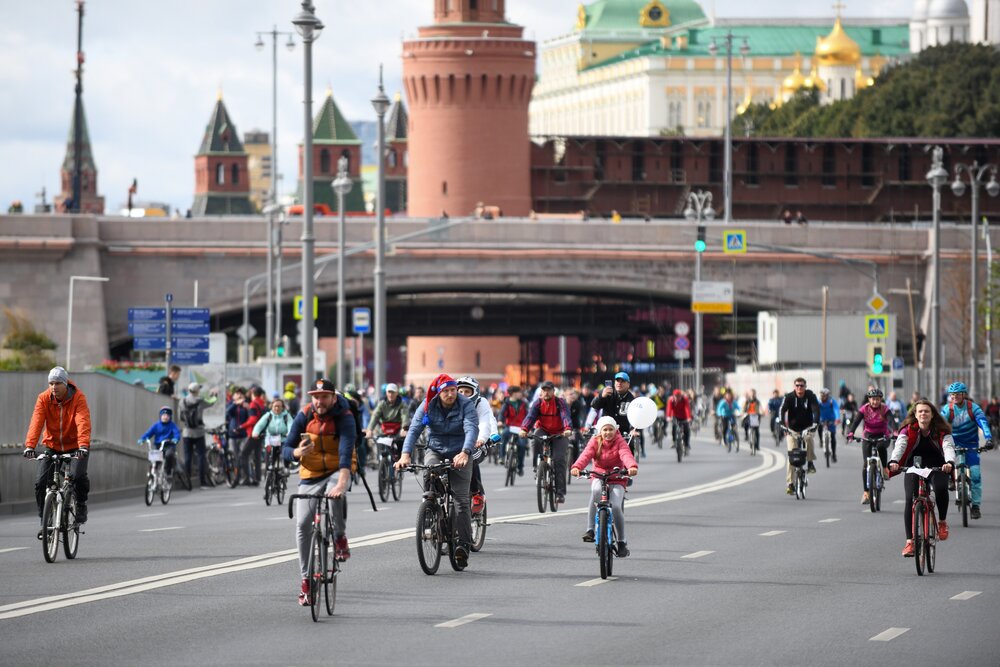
(28, 453)
(989, 444)
(82, 453)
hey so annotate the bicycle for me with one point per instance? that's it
(660, 432)
(510, 455)
(827, 437)
(545, 477)
(797, 457)
(677, 433)
(605, 534)
(220, 460)
(322, 565)
(275, 474)
(436, 519)
(874, 480)
(388, 477)
(59, 510)
(732, 438)
(753, 420)
(776, 430)
(924, 522)
(963, 483)
(157, 481)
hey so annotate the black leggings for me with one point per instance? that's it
(939, 482)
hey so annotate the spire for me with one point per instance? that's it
(330, 126)
(395, 127)
(221, 135)
(86, 156)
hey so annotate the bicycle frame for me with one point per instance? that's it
(924, 507)
(606, 541)
(323, 534)
(57, 493)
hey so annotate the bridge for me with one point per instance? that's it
(530, 277)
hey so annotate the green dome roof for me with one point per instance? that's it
(621, 15)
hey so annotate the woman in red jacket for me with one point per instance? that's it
(608, 450)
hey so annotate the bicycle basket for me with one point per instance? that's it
(797, 457)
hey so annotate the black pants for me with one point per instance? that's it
(685, 428)
(559, 446)
(476, 485)
(77, 472)
(939, 482)
(193, 446)
(883, 454)
(249, 461)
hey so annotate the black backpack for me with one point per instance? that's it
(191, 415)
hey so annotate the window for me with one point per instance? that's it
(753, 165)
(236, 174)
(904, 163)
(791, 165)
(392, 159)
(638, 161)
(677, 160)
(715, 162)
(324, 161)
(829, 165)
(867, 165)
(220, 174)
(843, 89)
(474, 4)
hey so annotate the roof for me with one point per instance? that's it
(86, 156)
(624, 15)
(221, 135)
(395, 128)
(330, 126)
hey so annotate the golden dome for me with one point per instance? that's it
(837, 48)
(814, 80)
(794, 81)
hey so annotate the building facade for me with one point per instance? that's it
(333, 138)
(257, 144)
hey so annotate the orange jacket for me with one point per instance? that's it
(66, 425)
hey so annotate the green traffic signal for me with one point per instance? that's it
(699, 246)
(877, 364)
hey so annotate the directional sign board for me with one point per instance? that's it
(189, 327)
(189, 342)
(734, 241)
(877, 303)
(876, 326)
(192, 314)
(680, 355)
(712, 297)
(362, 320)
(189, 357)
(147, 314)
(149, 343)
(142, 328)
(682, 343)
(897, 368)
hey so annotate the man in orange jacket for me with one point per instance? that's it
(62, 421)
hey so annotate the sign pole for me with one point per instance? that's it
(698, 347)
(169, 298)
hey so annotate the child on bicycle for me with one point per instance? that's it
(166, 431)
(275, 424)
(608, 450)
(878, 422)
(926, 434)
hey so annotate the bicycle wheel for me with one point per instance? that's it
(826, 447)
(383, 480)
(540, 492)
(268, 487)
(70, 528)
(930, 544)
(603, 542)
(800, 487)
(963, 499)
(216, 466)
(150, 488)
(397, 484)
(330, 582)
(50, 520)
(165, 489)
(918, 536)
(873, 490)
(479, 530)
(282, 484)
(679, 448)
(736, 438)
(511, 466)
(550, 487)
(232, 471)
(450, 530)
(881, 485)
(428, 537)
(317, 571)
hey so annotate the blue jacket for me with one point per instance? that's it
(448, 431)
(346, 429)
(829, 410)
(236, 415)
(964, 430)
(725, 408)
(160, 432)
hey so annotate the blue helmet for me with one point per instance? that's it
(957, 388)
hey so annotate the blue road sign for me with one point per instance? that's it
(734, 242)
(147, 314)
(189, 328)
(897, 363)
(189, 342)
(362, 320)
(194, 314)
(147, 328)
(149, 344)
(190, 357)
(682, 343)
(876, 326)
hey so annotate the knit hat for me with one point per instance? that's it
(59, 374)
(604, 421)
(440, 382)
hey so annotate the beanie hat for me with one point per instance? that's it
(59, 374)
(605, 421)
(439, 383)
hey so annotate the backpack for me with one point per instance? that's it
(968, 406)
(191, 415)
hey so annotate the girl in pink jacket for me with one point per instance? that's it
(608, 450)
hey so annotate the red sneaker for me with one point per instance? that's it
(908, 549)
(942, 530)
(341, 551)
(478, 503)
(304, 594)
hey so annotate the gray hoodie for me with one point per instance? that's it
(200, 404)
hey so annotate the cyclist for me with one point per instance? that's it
(966, 420)
(614, 401)
(192, 410)
(165, 430)
(256, 409)
(513, 411)
(849, 409)
(751, 406)
(237, 414)
(679, 409)
(355, 403)
(799, 410)
(276, 423)
(390, 415)
(468, 386)
(725, 413)
(61, 420)
(452, 430)
(896, 407)
(829, 417)
(878, 422)
(773, 407)
(608, 450)
(578, 408)
(551, 416)
(321, 439)
(291, 398)
(926, 434)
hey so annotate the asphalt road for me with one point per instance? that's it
(725, 570)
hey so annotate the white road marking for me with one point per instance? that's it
(149, 516)
(8, 550)
(888, 635)
(595, 582)
(278, 518)
(772, 533)
(386, 508)
(698, 554)
(770, 462)
(242, 504)
(898, 502)
(157, 530)
(829, 520)
(964, 595)
(468, 618)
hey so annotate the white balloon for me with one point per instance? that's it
(641, 412)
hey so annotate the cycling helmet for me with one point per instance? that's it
(874, 392)
(678, 392)
(958, 388)
(824, 391)
(469, 382)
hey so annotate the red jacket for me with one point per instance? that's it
(679, 409)
(615, 454)
(66, 425)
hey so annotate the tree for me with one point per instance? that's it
(24, 347)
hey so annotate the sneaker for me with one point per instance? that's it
(41, 534)
(975, 513)
(687, 450)
(587, 537)
(865, 499)
(462, 556)
(908, 549)
(812, 468)
(834, 458)
(81, 513)
(623, 551)
(942, 530)
(478, 503)
(560, 499)
(341, 551)
(790, 490)
(520, 472)
(304, 594)
(951, 483)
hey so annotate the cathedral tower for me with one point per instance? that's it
(221, 176)
(468, 80)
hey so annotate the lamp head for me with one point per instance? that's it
(993, 188)
(937, 176)
(290, 44)
(745, 47)
(958, 186)
(259, 44)
(713, 48)
(308, 26)
(689, 213)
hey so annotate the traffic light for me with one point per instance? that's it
(699, 245)
(876, 358)
(877, 361)
(282, 349)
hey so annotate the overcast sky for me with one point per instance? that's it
(153, 70)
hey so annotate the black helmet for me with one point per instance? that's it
(874, 392)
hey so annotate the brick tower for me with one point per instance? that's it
(91, 202)
(468, 81)
(333, 138)
(221, 176)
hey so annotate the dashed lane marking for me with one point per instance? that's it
(158, 530)
(772, 533)
(698, 554)
(468, 618)
(9, 549)
(831, 520)
(888, 635)
(595, 582)
(966, 595)
(150, 516)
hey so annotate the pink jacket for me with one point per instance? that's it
(613, 455)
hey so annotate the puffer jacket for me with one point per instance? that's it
(66, 425)
(615, 454)
(449, 432)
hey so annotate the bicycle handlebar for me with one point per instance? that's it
(414, 467)
(617, 473)
(304, 496)
(53, 455)
(971, 449)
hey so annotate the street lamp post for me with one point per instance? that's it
(69, 314)
(309, 28)
(989, 307)
(975, 172)
(269, 336)
(342, 185)
(936, 177)
(699, 208)
(381, 104)
(255, 281)
(278, 233)
(713, 48)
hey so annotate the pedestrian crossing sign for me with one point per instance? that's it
(876, 326)
(734, 241)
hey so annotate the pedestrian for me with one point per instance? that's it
(169, 381)
(193, 432)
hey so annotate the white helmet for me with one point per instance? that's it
(469, 382)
